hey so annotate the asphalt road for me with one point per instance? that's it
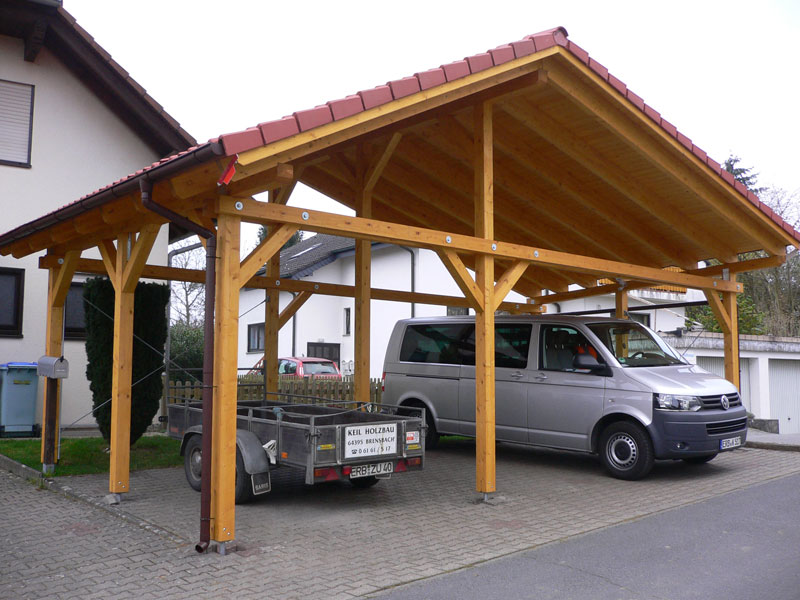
(742, 545)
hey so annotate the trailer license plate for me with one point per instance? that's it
(729, 443)
(372, 470)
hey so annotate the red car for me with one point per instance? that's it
(308, 366)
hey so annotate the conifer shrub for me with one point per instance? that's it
(150, 326)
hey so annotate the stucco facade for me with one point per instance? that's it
(78, 145)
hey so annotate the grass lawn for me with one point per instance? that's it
(84, 456)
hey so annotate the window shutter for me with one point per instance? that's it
(16, 105)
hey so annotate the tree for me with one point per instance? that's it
(188, 297)
(150, 334)
(751, 320)
(743, 175)
(296, 238)
(186, 349)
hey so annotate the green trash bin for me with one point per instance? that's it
(19, 387)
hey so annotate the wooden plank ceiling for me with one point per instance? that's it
(581, 166)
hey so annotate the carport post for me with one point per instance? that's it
(363, 290)
(484, 318)
(59, 280)
(223, 451)
(727, 314)
(271, 327)
(124, 265)
(621, 312)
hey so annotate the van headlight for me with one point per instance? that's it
(676, 402)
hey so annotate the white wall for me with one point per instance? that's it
(78, 146)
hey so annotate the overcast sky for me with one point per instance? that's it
(725, 73)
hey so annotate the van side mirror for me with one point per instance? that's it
(588, 362)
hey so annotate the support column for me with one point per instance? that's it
(223, 451)
(363, 291)
(272, 327)
(124, 267)
(484, 319)
(621, 312)
(731, 338)
(57, 289)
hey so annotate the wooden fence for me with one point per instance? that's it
(291, 389)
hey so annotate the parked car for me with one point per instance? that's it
(605, 386)
(308, 366)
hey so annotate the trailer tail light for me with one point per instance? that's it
(347, 469)
(401, 466)
(414, 462)
(328, 473)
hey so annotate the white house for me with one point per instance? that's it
(71, 120)
(770, 367)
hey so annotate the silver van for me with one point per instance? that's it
(596, 385)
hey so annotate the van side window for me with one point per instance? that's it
(511, 346)
(440, 343)
(559, 345)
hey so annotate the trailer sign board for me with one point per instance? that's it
(370, 440)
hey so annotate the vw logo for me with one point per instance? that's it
(725, 403)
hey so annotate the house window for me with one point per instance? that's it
(347, 321)
(255, 337)
(457, 311)
(16, 123)
(640, 317)
(74, 314)
(12, 284)
(323, 350)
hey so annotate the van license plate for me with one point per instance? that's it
(372, 470)
(729, 443)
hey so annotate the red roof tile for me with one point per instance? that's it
(270, 131)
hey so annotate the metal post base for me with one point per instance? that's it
(224, 547)
(113, 499)
(48, 469)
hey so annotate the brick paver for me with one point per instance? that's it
(334, 541)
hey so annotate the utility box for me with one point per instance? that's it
(19, 386)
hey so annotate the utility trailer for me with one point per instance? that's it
(356, 441)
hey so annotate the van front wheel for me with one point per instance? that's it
(626, 450)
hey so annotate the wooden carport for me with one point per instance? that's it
(529, 164)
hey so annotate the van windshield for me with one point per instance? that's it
(633, 345)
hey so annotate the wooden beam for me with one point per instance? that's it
(508, 280)
(720, 312)
(278, 176)
(711, 190)
(376, 169)
(730, 339)
(458, 271)
(223, 451)
(363, 285)
(621, 304)
(360, 228)
(109, 255)
(291, 309)
(269, 247)
(483, 161)
(138, 257)
(59, 280)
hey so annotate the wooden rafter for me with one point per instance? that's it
(360, 228)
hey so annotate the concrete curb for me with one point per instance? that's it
(29, 474)
(773, 446)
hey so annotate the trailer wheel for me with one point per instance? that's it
(192, 461)
(626, 450)
(244, 489)
(364, 482)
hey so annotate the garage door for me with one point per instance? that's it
(784, 394)
(716, 365)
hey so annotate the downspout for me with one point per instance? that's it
(167, 353)
(146, 189)
(413, 276)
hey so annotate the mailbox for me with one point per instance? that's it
(55, 367)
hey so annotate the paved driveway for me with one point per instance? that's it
(335, 541)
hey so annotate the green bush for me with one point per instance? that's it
(149, 325)
(186, 351)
